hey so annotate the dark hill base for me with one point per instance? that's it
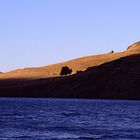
(119, 79)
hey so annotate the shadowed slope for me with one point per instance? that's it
(80, 64)
(118, 79)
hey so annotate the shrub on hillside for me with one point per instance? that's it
(65, 70)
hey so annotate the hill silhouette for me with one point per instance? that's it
(80, 64)
(117, 79)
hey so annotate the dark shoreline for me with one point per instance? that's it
(67, 99)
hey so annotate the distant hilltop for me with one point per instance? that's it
(79, 64)
(134, 47)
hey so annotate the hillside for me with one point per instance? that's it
(118, 79)
(80, 64)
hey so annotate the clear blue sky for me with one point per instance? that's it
(41, 32)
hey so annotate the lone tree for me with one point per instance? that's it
(111, 52)
(65, 70)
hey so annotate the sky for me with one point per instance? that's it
(40, 32)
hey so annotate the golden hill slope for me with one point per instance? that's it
(76, 65)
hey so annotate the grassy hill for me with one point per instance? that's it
(80, 64)
(116, 79)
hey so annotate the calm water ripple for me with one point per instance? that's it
(63, 119)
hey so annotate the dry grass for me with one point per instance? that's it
(80, 64)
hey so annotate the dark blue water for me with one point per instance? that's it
(61, 119)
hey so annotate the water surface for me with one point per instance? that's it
(63, 119)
